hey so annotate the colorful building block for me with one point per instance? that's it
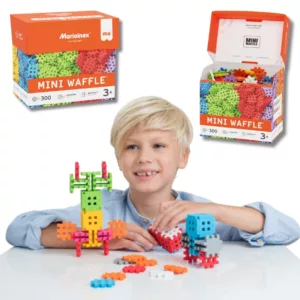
(92, 233)
(169, 240)
(198, 226)
(200, 241)
(102, 283)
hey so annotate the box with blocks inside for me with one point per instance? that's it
(64, 58)
(241, 93)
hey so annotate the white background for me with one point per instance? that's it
(163, 53)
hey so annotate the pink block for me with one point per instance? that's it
(104, 235)
(80, 236)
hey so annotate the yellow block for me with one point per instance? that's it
(93, 234)
(91, 220)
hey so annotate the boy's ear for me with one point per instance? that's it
(184, 157)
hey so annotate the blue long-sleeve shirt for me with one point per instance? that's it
(25, 229)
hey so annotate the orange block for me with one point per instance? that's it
(114, 276)
(64, 230)
(175, 269)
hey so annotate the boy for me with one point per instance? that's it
(152, 138)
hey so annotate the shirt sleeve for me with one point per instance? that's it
(25, 230)
(279, 229)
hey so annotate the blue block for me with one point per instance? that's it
(204, 88)
(102, 283)
(198, 226)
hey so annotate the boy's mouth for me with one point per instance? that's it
(146, 174)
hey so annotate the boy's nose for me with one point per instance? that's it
(144, 156)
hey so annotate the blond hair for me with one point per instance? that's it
(153, 113)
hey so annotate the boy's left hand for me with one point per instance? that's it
(174, 212)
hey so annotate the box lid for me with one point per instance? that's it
(64, 31)
(60, 16)
(243, 36)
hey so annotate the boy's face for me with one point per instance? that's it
(150, 159)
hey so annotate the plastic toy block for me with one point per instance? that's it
(78, 249)
(111, 64)
(175, 269)
(77, 172)
(92, 245)
(188, 257)
(104, 235)
(266, 80)
(147, 263)
(230, 78)
(93, 240)
(198, 226)
(268, 91)
(134, 269)
(91, 220)
(192, 247)
(204, 88)
(240, 73)
(105, 247)
(220, 74)
(222, 100)
(161, 275)
(118, 228)
(79, 184)
(91, 200)
(169, 240)
(134, 258)
(250, 79)
(80, 236)
(65, 230)
(268, 113)
(259, 72)
(114, 276)
(94, 61)
(104, 170)
(208, 261)
(100, 182)
(120, 261)
(211, 245)
(102, 283)
(185, 240)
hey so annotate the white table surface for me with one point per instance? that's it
(244, 272)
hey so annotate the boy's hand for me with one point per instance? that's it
(174, 212)
(134, 234)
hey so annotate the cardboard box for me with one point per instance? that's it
(64, 57)
(241, 93)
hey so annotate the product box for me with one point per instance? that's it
(64, 57)
(241, 93)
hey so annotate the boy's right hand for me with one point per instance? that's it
(135, 234)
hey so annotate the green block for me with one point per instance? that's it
(91, 200)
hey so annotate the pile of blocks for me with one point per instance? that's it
(200, 240)
(136, 264)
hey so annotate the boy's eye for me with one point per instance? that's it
(159, 146)
(131, 147)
